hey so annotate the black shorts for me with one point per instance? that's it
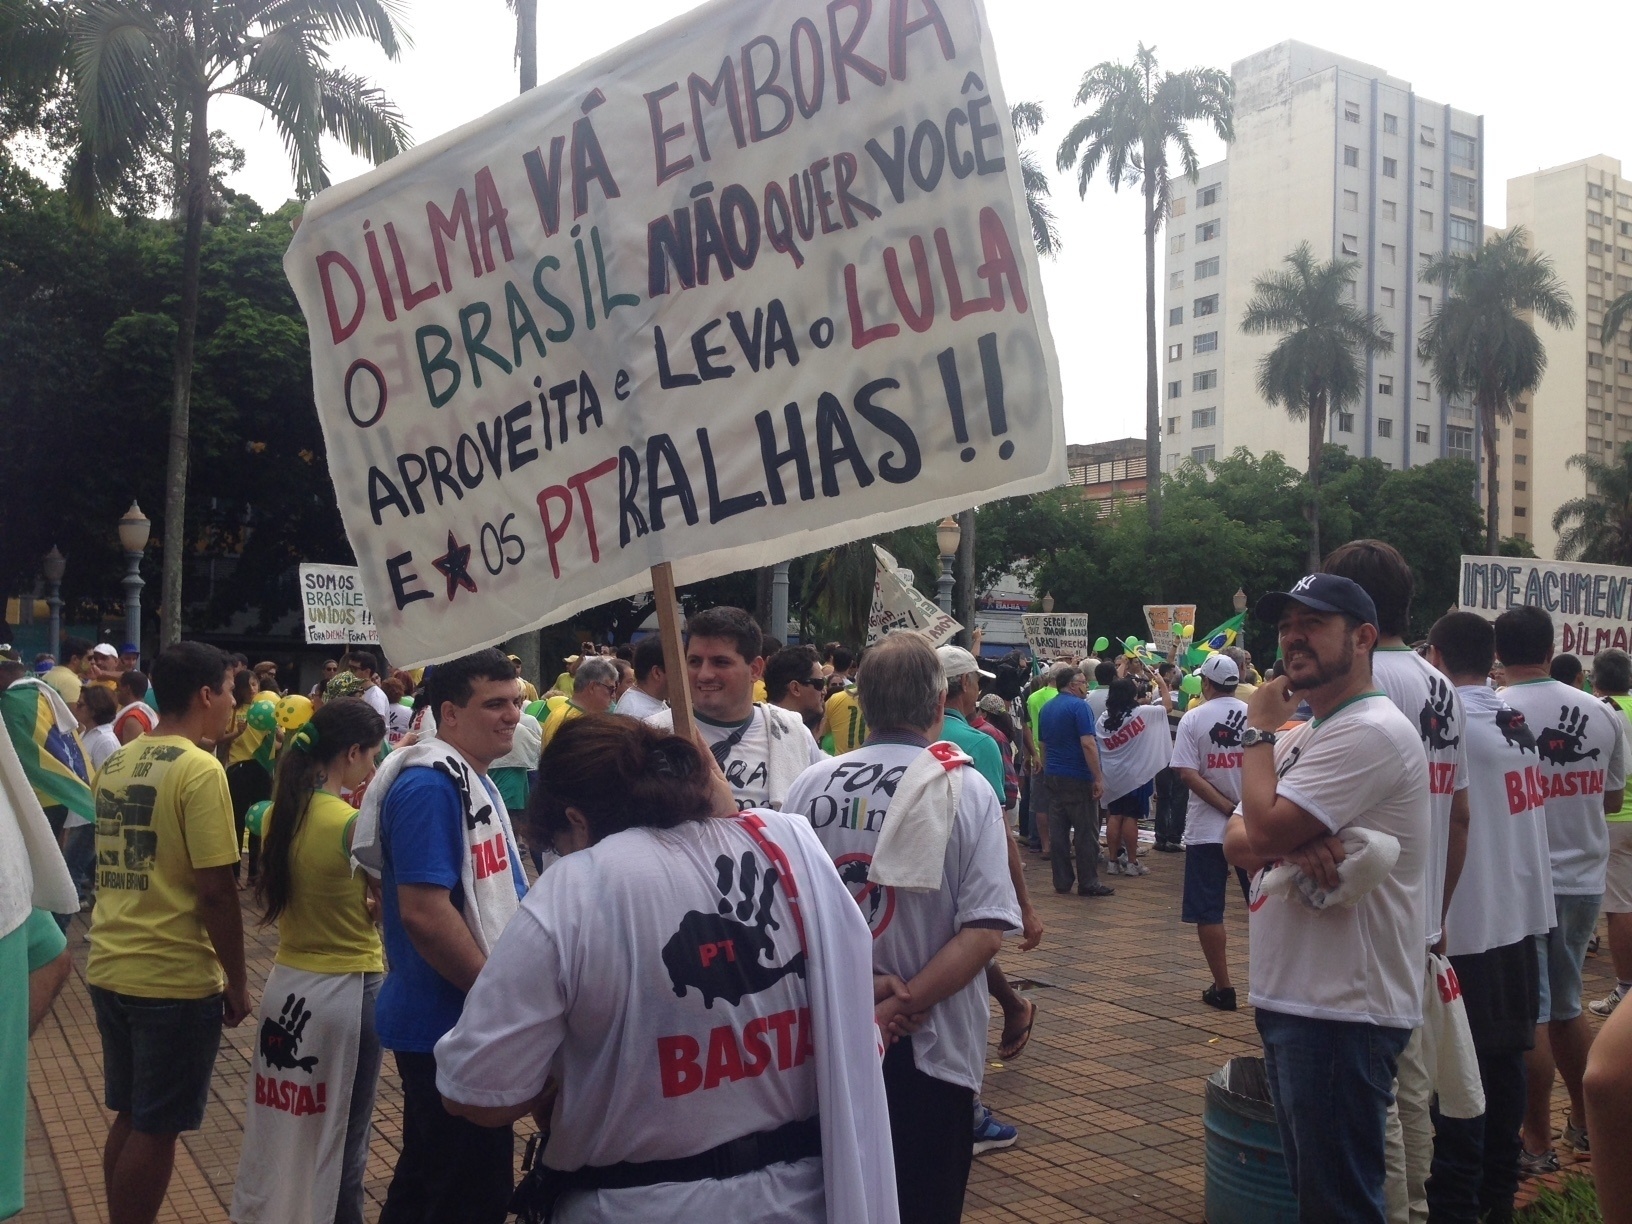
(157, 1058)
(1131, 805)
(1206, 877)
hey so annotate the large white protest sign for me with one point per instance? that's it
(1591, 605)
(897, 604)
(333, 607)
(757, 283)
(1052, 634)
(1166, 623)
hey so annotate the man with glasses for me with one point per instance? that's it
(1071, 774)
(595, 688)
(794, 681)
(331, 669)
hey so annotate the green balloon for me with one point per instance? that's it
(255, 817)
(262, 716)
(1101, 645)
(1191, 684)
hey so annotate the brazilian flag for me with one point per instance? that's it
(48, 747)
(1215, 641)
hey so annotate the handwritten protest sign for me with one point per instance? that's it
(1053, 634)
(897, 604)
(1591, 605)
(755, 284)
(1165, 622)
(332, 604)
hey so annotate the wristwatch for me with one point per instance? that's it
(1252, 737)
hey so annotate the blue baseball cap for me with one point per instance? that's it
(1324, 593)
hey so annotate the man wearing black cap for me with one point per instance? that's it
(1337, 990)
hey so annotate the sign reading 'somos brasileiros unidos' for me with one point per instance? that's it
(754, 284)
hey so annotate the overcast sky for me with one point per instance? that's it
(1546, 101)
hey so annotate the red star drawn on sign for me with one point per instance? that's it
(454, 565)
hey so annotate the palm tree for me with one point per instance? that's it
(1318, 364)
(1597, 527)
(1479, 343)
(1027, 120)
(146, 71)
(1140, 112)
(526, 12)
(1615, 314)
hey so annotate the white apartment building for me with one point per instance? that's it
(1580, 217)
(1338, 154)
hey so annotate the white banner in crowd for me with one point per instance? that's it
(1164, 622)
(1591, 605)
(897, 604)
(1051, 634)
(332, 603)
(755, 284)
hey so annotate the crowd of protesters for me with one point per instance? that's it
(677, 991)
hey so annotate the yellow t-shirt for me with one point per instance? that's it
(844, 722)
(557, 718)
(244, 747)
(326, 927)
(162, 812)
(563, 683)
(761, 693)
(65, 681)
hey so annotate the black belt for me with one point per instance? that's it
(536, 1196)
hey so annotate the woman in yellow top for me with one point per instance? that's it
(311, 1098)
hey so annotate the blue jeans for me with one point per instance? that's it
(1332, 1083)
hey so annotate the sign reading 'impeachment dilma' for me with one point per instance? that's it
(752, 285)
(1591, 605)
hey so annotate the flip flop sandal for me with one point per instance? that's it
(1008, 1054)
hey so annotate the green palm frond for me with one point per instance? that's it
(1615, 315)
(1027, 120)
(1597, 527)
(382, 22)
(360, 115)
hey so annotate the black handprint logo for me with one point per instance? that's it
(460, 777)
(1561, 745)
(724, 957)
(280, 1038)
(1438, 717)
(1514, 729)
(1227, 734)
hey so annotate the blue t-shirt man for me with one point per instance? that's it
(422, 836)
(1062, 724)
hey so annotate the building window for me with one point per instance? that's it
(1389, 252)
(1519, 486)
(1464, 193)
(1624, 227)
(1388, 337)
(1175, 389)
(1427, 135)
(1624, 200)
(1175, 279)
(1594, 247)
(1175, 208)
(1204, 306)
(1521, 433)
(1206, 268)
(1207, 196)
(1385, 384)
(1425, 177)
(1175, 244)
(1351, 245)
(1202, 454)
(1425, 220)
(1385, 427)
(1351, 155)
(1351, 201)
(1389, 210)
(1594, 390)
(1175, 315)
(1175, 352)
(1386, 293)
(1204, 380)
(1348, 291)
(1206, 342)
(1391, 168)
(1425, 306)
(1458, 442)
(1594, 192)
(1391, 124)
(1595, 219)
(1624, 366)
(1520, 512)
(1345, 422)
(1462, 232)
(1351, 111)
(1172, 425)
(1521, 460)
(1595, 360)
(1464, 152)
(1203, 418)
(1623, 254)
(1422, 434)
(1423, 391)
(1207, 230)
(1594, 275)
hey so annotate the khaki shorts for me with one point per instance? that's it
(1618, 881)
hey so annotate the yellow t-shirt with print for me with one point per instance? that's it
(844, 721)
(326, 928)
(162, 812)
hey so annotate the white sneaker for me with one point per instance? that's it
(1606, 1005)
(1114, 867)
(1135, 869)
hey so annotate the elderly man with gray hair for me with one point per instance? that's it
(930, 945)
(594, 688)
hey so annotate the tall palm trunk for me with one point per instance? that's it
(1153, 407)
(967, 595)
(1317, 443)
(1487, 424)
(527, 42)
(175, 491)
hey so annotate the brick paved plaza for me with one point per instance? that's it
(1108, 1096)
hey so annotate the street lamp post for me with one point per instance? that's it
(1240, 600)
(53, 565)
(133, 533)
(947, 535)
(1048, 602)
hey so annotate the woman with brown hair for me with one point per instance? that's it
(698, 982)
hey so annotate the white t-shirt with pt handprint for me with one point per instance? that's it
(1430, 702)
(1583, 748)
(1209, 741)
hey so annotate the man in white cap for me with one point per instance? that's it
(1207, 757)
(963, 676)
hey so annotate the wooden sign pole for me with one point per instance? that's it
(674, 650)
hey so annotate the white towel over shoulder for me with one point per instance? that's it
(911, 850)
(1369, 857)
